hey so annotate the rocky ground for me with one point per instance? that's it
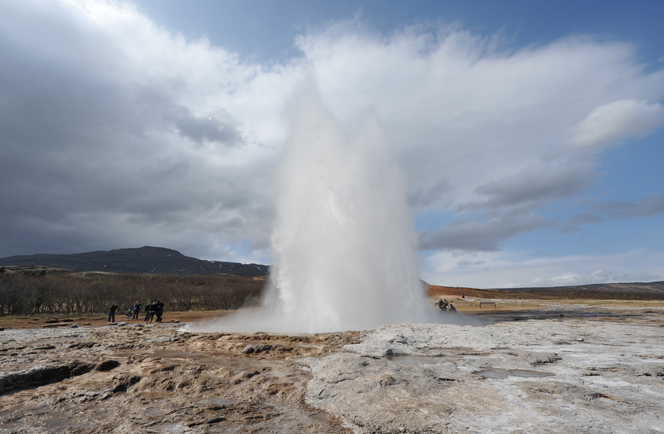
(558, 368)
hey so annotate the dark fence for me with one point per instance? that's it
(25, 293)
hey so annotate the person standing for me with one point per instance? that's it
(151, 312)
(159, 310)
(111, 312)
(147, 310)
(137, 309)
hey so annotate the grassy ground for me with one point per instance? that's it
(468, 305)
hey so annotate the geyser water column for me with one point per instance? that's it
(344, 245)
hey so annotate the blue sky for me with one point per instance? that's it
(529, 133)
(267, 28)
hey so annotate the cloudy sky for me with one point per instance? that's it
(530, 133)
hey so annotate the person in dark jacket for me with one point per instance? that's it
(137, 310)
(111, 312)
(159, 310)
(151, 312)
(148, 305)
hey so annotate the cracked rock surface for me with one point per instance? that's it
(547, 376)
(574, 373)
(157, 379)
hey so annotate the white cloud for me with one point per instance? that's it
(488, 123)
(612, 123)
(476, 234)
(537, 183)
(103, 119)
(514, 269)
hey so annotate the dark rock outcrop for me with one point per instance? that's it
(41, 375)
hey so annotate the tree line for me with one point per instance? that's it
(68, 293)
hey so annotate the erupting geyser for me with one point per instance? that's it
(344, 245)
(344, 242)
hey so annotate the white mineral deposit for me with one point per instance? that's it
(595, 369)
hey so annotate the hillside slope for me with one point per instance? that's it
(144, 260)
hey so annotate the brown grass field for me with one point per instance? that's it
(468, 305)
(40, 321)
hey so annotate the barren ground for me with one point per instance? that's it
(541, 366)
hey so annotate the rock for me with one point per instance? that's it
(79, 345)
(250, 349)
(387, 380)
(122, 324)
(40, 375)
(249, 374)
(2, 329)
(123, 381)
(107, 365)
(160, 338)
(74, 326)
(91, 396)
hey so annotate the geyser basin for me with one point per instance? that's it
(344, 245)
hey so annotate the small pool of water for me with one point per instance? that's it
(501, 374)
(416, 360)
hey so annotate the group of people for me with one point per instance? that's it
(152, 310)
(156, 308)
(445, 306)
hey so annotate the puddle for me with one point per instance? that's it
(501, 374)
(451, 354)
(415, 360)
(590, 314)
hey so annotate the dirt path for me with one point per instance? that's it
(52, 321)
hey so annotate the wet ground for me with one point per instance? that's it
(156, 379)
(539, 368)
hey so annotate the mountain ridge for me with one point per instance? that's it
(141, 260)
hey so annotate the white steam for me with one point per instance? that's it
(344, 245)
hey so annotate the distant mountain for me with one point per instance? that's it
(144, 260)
